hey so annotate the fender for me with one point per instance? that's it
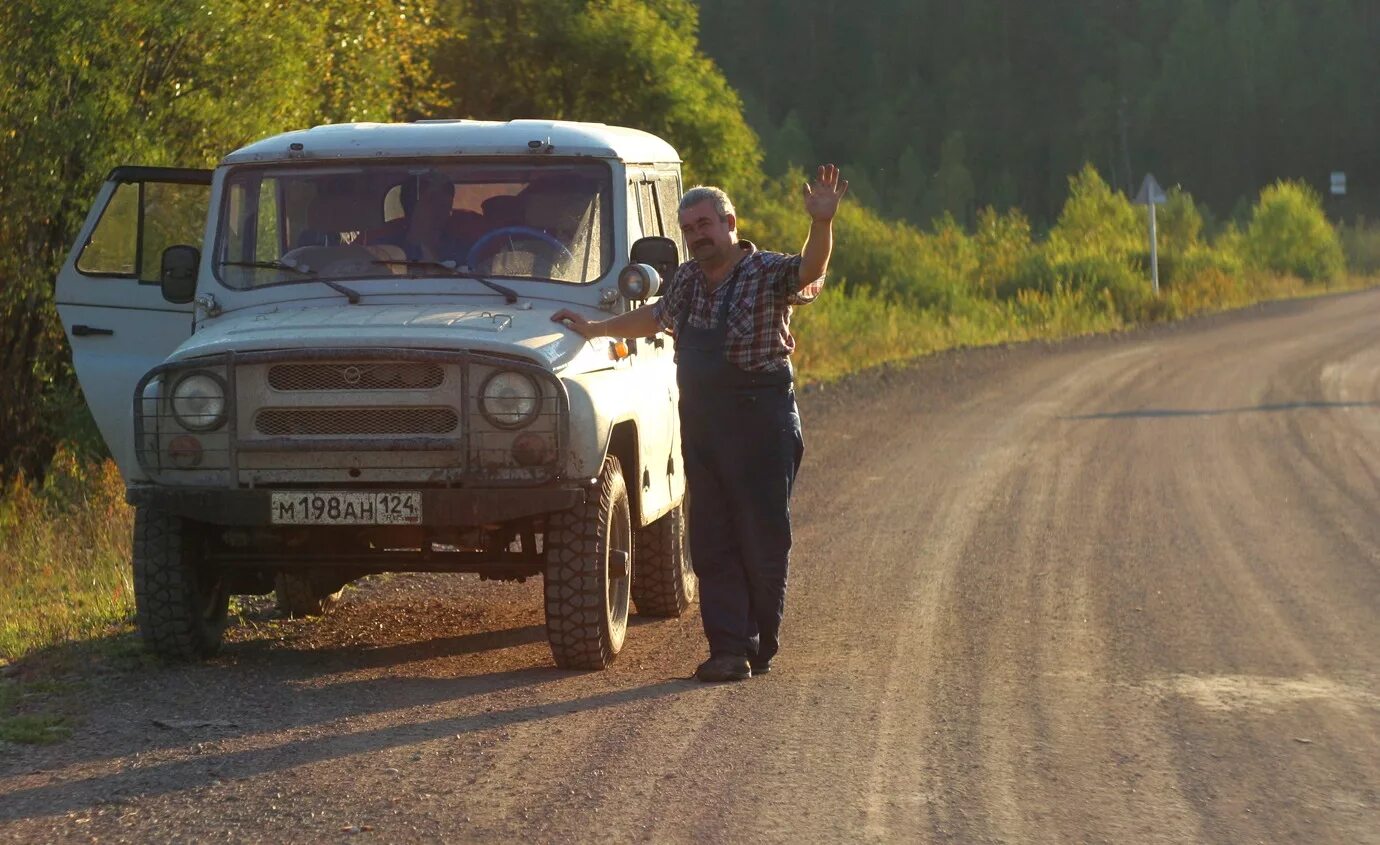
(599, 402)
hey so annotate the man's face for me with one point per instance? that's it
(709, 237)
(435, 200)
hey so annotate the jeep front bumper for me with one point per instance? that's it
(454, 508)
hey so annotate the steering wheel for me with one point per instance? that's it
(477, 250)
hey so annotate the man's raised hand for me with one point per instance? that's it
(822, 195)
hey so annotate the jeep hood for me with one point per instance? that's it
(504, 330)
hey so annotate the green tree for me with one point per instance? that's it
(1289, 234)
(624, 62)
(1096, 219)
(86, 85)
(1179, 224)
(906, 191)
(952, 191)
(790, 146)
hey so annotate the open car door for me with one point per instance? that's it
(109, 297)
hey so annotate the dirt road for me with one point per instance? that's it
(1120, 590)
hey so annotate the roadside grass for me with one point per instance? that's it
(66, 591)
(845, 332)
(64, 557)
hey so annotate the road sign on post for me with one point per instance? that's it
(1151, 195)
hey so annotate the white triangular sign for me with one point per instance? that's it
(1150, 192)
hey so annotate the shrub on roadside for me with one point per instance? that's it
(1361, 246)
(1095, 220)
(1289, 234)
(1178, 222)
(1005, 249)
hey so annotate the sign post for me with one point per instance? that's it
(1151, 195)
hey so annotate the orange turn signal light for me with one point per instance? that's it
(618, 350)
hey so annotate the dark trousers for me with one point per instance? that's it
(742, 449)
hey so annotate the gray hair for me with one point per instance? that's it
(723, 206)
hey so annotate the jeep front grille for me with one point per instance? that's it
(364, 375)
(279, 422)
(351, 417)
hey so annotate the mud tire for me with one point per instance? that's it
(586, 601)
(180, 604)
(664, 583)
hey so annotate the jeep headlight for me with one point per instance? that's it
(198, 401)
(509, 399)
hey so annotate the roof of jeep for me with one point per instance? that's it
(458, 137)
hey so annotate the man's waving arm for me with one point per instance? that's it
(821, 202)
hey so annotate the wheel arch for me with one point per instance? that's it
(623, 445)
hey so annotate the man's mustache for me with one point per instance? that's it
(698, 244)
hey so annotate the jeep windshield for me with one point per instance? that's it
(302, 224)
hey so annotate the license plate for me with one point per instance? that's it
(328, 507)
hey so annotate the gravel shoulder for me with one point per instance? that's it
(1120, 589)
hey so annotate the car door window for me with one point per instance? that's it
(173, 214)
(667, 191)
(114, 244)
(646, 207)
(141, 220)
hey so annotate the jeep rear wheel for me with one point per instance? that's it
(664, 583)
(588, 574)
(306, 593)
(181, 605)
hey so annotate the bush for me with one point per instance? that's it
(1288, 233)
(1179, 268)
(1361, 246)
(1123, 285)
(1179, 223)
(1004, 252)
(1096, 220)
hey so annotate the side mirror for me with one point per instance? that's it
(177, 273)
(659, 253)
(638, 282)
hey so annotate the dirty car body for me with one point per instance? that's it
(333, 356)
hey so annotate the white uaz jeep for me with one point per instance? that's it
(356, 371)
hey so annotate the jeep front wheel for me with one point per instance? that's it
(664, 582)
(588, 553)
(181, 605)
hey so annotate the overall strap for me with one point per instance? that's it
(721, 318)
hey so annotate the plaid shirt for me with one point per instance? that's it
(759, 321)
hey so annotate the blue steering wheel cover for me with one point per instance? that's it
(538, 234)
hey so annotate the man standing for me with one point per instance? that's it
(729, 308)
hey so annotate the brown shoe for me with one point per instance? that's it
(724, 667)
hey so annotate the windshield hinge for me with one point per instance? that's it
(608, 298)
(206, 306)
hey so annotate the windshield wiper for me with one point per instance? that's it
(271, 265)
(509, 295)
(348, 293)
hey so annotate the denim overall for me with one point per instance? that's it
(742, 445)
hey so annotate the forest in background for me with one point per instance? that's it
(1018, 229)
(947, 106)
